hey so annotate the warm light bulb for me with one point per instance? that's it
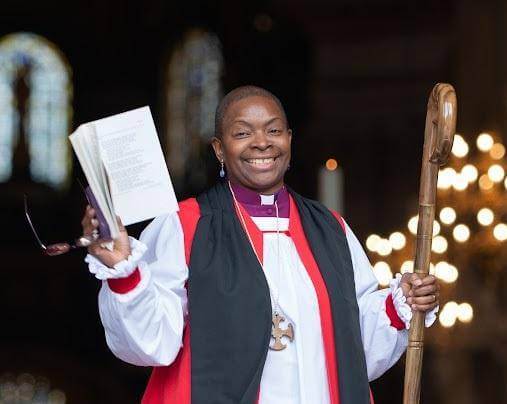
(407, 266)
(485, 182)
(497, 151)
(459, 147)
(451, 274)
(439, 245)
(441, 269)
(446, 178)
(470, 173)
(384, 247)
(436, 228)
(382, 271)
(412, 224)
(372, 242)
(442, 182)
(448, 273)
(461, 233)
(460, 182)
(485, 216)
(397, 240)
(484, 142)
(496, 173)
(448, 314)
(447, 215)
(500, 232)
(465, 313)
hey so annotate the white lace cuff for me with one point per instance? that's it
(403, 309)
(123, 268)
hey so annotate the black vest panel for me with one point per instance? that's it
(230, 307)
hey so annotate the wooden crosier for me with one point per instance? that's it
(438, 138)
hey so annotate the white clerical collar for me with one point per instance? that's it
(267, 199)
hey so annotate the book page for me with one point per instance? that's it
(85, 145)
(138, 178)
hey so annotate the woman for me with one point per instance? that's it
(252, 293)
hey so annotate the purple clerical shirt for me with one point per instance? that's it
(258, 205)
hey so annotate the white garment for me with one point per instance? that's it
(144, 326)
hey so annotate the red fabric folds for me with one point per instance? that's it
(326, 319)
(391, 312)
(172, 384)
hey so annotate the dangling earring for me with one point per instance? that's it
(222, 172)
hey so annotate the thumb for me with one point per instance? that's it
(405, 287)
(407, 281)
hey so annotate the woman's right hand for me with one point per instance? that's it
(121, 248)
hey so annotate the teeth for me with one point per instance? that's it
(261, 161)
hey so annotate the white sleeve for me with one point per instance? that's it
(383, 344)
(145, 325)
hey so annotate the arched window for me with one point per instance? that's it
(35, 107)
(193, 90)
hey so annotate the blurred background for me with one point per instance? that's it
(354, 77)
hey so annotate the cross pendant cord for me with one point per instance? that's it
(277, 332)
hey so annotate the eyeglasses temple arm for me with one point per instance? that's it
(41, 244)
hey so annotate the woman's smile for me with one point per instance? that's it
(262, 164)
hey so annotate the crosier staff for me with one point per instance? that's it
(438, 138)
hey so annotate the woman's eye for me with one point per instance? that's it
(275, 131)
(241, 134)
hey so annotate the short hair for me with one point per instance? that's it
(238, 94)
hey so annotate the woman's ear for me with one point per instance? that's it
(217, 147)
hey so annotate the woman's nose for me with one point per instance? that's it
(261, 140)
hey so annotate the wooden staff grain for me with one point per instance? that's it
(438, 138)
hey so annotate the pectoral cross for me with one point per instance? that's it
(277, 333)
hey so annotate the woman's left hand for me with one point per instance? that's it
(422, 293)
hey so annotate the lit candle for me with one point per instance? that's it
(331, 186)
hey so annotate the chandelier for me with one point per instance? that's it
(469, 231)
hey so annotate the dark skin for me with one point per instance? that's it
(255, 146)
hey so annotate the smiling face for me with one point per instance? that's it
(255, 144)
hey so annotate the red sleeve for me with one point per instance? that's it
(396, 321)
(189, 214)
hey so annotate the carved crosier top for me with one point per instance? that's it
(442, 112)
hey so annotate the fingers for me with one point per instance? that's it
(98, 249)
(424, 290)
(428, 299)
(415, 280)
(424, 307)
(95, 249)
(428, 280)
(89, 222)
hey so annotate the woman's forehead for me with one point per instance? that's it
(253, 107)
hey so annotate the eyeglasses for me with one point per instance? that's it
(63, 247)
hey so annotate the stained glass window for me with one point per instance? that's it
(193, 91)
(48, 114)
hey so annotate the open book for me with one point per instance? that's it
(125, 168)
